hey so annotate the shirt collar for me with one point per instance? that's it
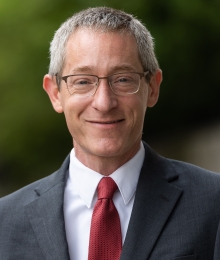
(85, 181)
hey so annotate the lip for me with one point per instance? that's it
(106, 123)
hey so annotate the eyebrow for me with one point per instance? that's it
(88, 69)
(81, 69)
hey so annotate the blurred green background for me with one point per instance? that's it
(34, 139)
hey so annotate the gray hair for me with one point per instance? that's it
(105, 19)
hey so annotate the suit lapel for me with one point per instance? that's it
(154, 201)
(46, 215)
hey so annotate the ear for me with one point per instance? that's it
(50, 86)
(154, 88)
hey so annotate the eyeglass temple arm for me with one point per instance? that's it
(146, 72)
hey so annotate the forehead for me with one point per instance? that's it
(89, 36)
(95, 48)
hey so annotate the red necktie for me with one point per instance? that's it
(105, 234)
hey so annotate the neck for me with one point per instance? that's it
(105, 165)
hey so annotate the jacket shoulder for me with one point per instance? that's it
(22, 196)
(186, 176)
(28, 193)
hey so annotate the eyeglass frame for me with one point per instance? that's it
(64, 78)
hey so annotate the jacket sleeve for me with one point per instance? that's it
(217, 244)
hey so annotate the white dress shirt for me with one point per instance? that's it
(80, 197)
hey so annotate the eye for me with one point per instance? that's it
(82, 81)
(123, 79)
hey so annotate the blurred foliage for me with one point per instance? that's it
(34, 139)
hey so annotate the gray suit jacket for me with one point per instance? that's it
(175, 215)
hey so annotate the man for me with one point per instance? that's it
(103, 75)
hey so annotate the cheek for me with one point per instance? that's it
(142, 106)
(137, 110)
(74, 107)
(70, 113)
(144, 96)
(142, 101)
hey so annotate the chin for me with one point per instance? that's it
(106, 152)
(107, 149)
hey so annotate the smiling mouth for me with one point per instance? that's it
(108, 122)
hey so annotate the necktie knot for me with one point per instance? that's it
(106, 188)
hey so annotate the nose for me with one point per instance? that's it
(104, 99)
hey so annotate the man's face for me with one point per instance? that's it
(103, 125)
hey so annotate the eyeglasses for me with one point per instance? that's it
(121, 83)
